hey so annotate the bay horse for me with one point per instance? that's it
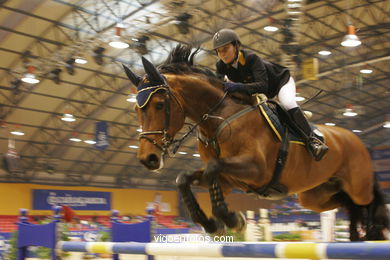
(242, 153)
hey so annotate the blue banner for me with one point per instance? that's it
(101, 135)
(381, 161)
(77, 200)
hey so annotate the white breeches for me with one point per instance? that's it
(286, 95)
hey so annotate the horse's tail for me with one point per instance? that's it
(374, 217)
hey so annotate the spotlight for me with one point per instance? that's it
(140, 44)
(54, 75)
(15, 84)
(98, 55)
(182, 23)
(70, 66)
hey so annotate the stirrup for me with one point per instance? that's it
(317, 148)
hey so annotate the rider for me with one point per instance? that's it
(249, 74)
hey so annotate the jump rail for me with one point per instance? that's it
(305, 250)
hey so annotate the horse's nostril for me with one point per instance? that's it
(152, 159)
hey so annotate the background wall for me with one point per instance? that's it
(127, 201)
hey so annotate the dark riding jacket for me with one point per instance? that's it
(258, 75)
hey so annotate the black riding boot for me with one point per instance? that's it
(314, 145)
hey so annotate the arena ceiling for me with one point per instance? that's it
(48, 34)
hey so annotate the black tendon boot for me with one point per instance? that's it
(314, 145)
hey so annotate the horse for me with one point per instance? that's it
(239, 150)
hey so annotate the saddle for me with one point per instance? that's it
(278, 120)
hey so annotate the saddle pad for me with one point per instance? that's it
(272, 114)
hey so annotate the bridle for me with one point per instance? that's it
(167, 140)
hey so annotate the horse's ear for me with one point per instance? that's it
(135, 79)
(153, 74)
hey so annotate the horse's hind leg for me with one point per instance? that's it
(184, 181)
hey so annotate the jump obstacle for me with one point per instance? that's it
(27, 236)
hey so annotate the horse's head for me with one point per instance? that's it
(159, 113)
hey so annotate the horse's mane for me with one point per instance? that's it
(181, 61)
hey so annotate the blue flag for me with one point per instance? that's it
(101, 135)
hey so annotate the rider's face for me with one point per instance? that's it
(226, 53)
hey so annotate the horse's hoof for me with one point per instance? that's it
(221, 228)
(241, 222)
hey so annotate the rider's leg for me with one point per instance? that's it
(286, 97)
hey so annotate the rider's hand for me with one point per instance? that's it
(232, 87)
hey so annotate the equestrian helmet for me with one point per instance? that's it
(223, 37)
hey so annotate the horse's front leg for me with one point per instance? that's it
(184, 181)
(240, 167)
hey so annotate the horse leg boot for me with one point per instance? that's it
(184, 181)
(315, 146)
(220, 209)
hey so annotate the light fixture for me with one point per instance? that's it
(80, 60)
(357, 131)
(299, 98)
(17, 131)
(349, 111)
(387, 123)
(182, 23)
(75, 139)
(139, 130)
(29, 77)
(68, 117)
(182, 153)
(366, 71)
(98, 55)
(54, 75)
(69, 65)
(196, 155)
(271, 28)
(350, 39)
(324, 53)
(132, 98)
(140, 44)
(89, 140)
(330, 124)
(117, 41)
(133, 146)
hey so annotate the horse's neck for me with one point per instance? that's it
(199, 97)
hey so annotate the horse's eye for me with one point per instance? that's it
(159, 105)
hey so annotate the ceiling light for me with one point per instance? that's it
(139, 130)
(117, 42)
(330, 124)
(299, 98)
(17, 132)
(387, 123)
(29, 77)
(54, 75)
(68, 118)
(324, 53)
(356, 131)
(89, 141)
(133, 146)
(349, 112)
(80, 60)
(181, 152)
(271, 28)
(351, 40)
(69, 66)
(132, 98)
(74, 139)
(366, 71)
(196, 155)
